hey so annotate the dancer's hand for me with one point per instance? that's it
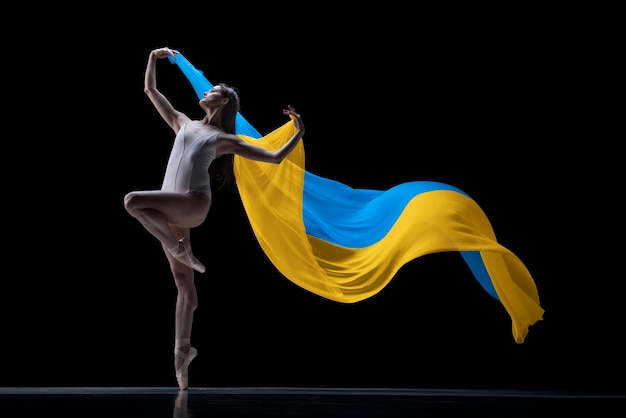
(165, 52)
(295, 116)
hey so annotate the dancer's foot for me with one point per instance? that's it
(182, 252)
(182, 375)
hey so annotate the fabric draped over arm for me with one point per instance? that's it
(346, 244)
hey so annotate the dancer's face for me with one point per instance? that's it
(213, 98)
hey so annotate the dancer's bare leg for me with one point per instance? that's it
(186, 304)
(157, 210)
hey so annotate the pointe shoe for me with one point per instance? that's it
(182, 375)
(185, 255)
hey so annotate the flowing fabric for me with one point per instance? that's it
(346, 244)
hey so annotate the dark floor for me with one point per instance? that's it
(100, 402)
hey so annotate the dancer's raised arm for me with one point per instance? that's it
(233, 144)
(174, 118)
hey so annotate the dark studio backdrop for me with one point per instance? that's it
(489, 108)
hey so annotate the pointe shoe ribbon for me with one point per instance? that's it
(185, 255)
(182, 375)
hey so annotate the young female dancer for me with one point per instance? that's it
(201, 149)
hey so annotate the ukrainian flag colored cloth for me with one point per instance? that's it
(346, 244)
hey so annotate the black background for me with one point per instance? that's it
(494, 104)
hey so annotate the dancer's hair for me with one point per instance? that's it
(221, 169)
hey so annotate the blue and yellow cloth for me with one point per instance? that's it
(346, 244)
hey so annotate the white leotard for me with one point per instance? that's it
(192, 153)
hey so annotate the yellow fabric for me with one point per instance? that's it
(432, 222)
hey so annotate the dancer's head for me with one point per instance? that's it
(226, 99)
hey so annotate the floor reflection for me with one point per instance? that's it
(221, 402)
(180, 405)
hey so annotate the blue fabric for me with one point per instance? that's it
(337, 213)
(345, 244)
